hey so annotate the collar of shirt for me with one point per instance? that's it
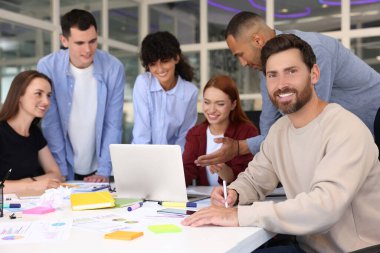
(178, 89)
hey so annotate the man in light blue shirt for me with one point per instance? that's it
(85, 114)
(345, 79)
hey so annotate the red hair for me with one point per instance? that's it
(228, 86)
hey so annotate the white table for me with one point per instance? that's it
(200, 239)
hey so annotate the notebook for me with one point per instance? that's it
(91, 200)
(150, 172)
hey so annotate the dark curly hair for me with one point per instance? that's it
(164, 46)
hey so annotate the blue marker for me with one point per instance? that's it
(99, 187)
(12, 205)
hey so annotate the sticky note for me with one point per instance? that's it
(39, 210)
(123, 235)
(121, 202)
(164, 228)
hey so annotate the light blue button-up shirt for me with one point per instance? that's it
(163, 117)
(110, 76)
(345, 79)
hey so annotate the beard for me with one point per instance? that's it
(302, 97)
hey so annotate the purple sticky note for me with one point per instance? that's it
(39, 210)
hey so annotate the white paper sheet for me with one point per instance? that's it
(16, 232)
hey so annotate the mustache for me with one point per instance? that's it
(284, 90)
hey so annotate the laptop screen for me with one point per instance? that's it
(150, 172)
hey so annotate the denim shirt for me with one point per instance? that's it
(345, 79)
(110, 76)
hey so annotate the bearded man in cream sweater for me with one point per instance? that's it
(324, 156)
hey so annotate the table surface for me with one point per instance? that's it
(199, 239)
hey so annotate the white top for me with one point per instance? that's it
(82, 120)
(211, 147)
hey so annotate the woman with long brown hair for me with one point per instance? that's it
(23, 149)
(224, 118)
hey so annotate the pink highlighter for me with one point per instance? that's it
(39, 210)
(135, 206)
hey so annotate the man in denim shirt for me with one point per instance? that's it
(85, 114)
(345, 79)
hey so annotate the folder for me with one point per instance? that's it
(91, 200)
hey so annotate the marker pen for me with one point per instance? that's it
(177, 204)
(12, 205)
(135, 206)
(99, 187)
(225, 193)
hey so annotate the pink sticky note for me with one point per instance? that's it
(39, 210)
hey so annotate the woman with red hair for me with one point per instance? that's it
(224, 118)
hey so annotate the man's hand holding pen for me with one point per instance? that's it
(217, 214)
(217, 197)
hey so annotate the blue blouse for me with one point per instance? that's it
(163, 117)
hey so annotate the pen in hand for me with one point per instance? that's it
(225, 193)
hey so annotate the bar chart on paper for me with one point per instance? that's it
(37, 231)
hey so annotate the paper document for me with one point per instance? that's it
(84, 186)
(36, 231)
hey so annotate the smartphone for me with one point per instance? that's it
(176, 211)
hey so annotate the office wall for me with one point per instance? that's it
(30, 29)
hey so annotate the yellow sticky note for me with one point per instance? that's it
(123, 235)
(164, 228)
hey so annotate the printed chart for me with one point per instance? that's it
(36, 231)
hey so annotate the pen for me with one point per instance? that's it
(100, 187)
(12, 205)
(6, 177)
(135, 206)
(225, 193)
(177, 204)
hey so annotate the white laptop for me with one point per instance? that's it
(149, 172)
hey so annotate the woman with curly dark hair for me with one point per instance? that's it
(164, 99)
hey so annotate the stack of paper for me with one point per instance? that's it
(91, 200)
